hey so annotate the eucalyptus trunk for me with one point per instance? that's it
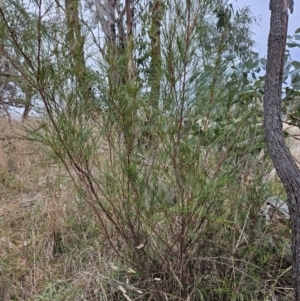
(75, 41)
(280, 154)
(129, 27)
(157, 11)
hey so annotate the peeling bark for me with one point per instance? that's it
(281, 156)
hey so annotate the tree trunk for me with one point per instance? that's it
(157, 11)
(75, 41)
(129, 27)
(105, 12)
(281, 156)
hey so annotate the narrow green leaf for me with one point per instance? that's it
(292, 44)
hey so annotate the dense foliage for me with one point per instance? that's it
(154, 110)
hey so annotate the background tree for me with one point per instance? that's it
(75, 42)
(157, 13)
(15, 92)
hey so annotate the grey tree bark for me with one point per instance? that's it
(119, 41)
(105, 11)
(282, 158)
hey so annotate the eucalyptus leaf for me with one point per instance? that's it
(293, 44)
(296, 86)
(296, 64)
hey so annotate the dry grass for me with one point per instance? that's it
(43, 227)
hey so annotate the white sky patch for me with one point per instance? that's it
(260, 9)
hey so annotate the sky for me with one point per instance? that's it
(260, 8)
